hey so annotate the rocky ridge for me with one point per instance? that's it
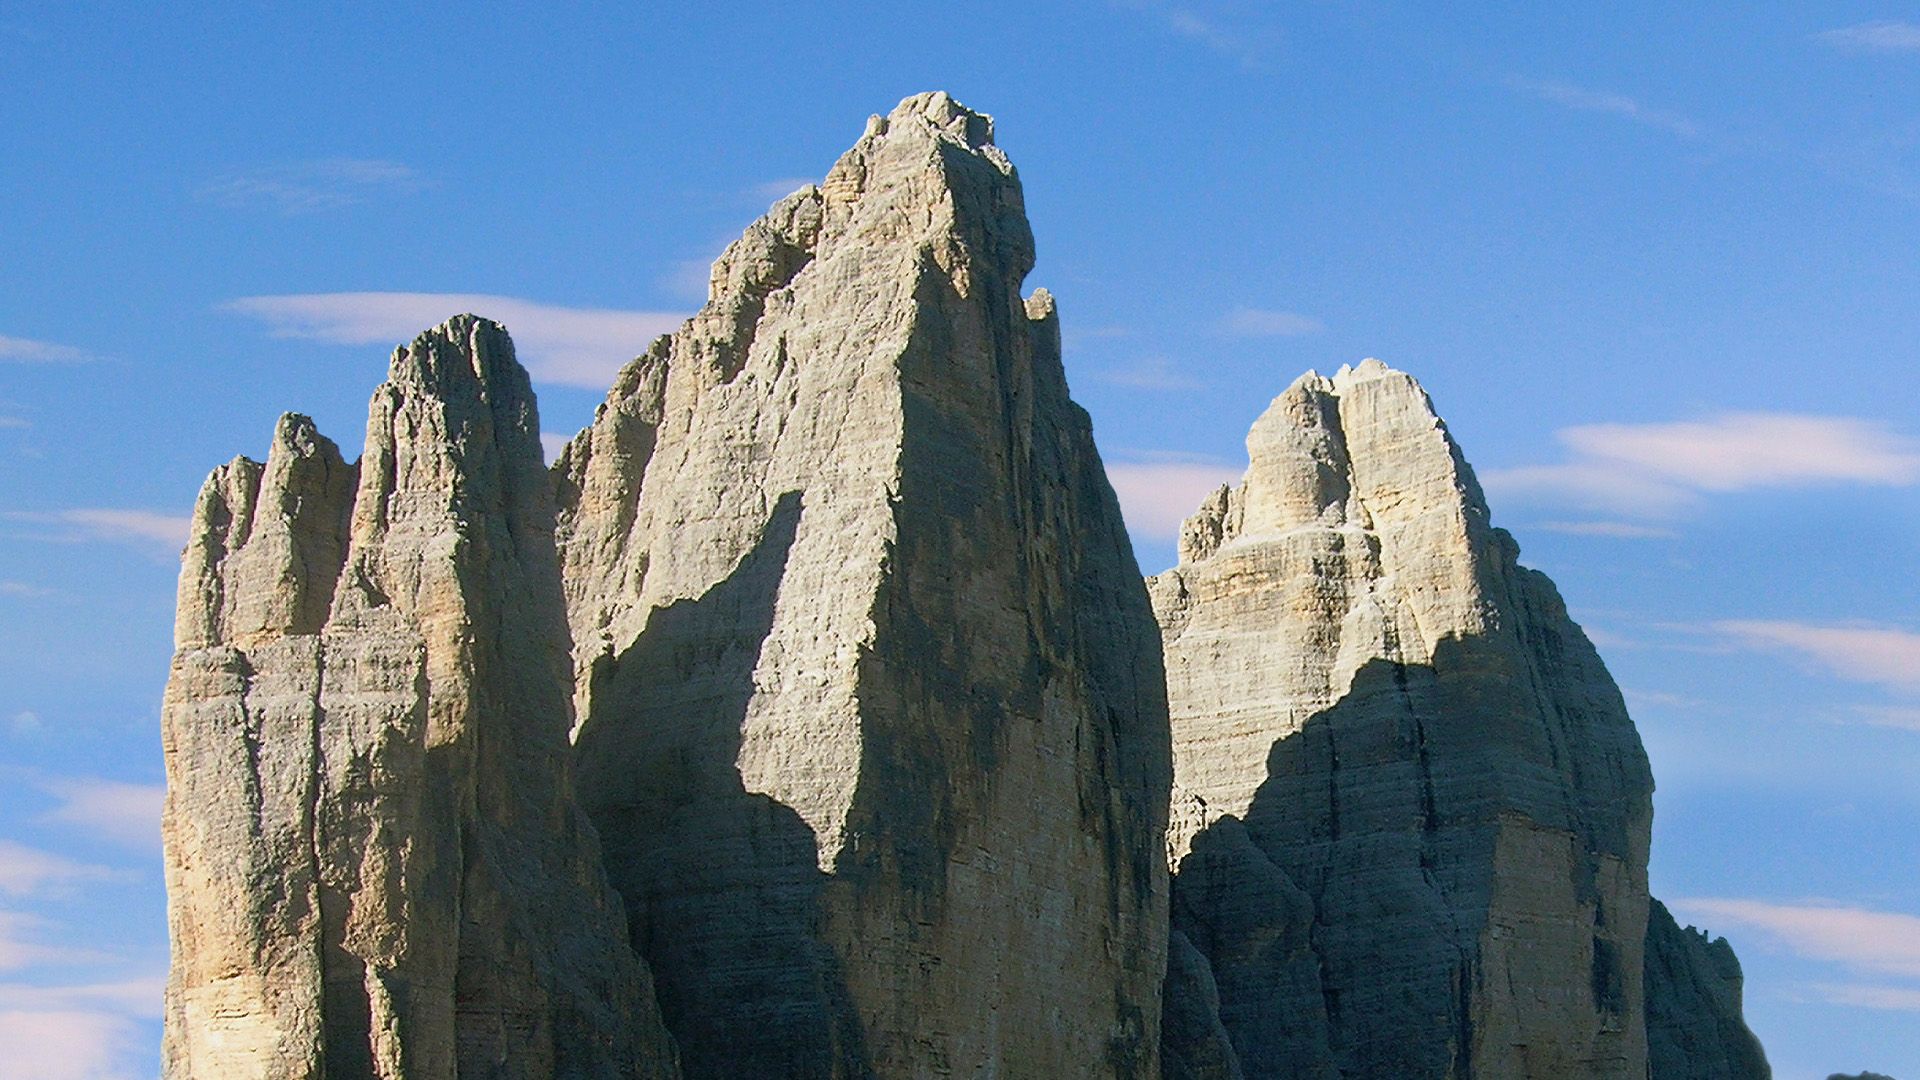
(1411, 813)
(870, 768)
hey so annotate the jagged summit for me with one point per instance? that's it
(374, 863)
(862, 650)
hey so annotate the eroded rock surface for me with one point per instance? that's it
(375, 866)
(1416, 835)
(1695, 1026)
(872, 718)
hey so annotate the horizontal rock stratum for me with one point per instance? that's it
(808, 718)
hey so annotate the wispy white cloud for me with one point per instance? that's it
(775, 190)
(1885, 942)
(1263, 322)
(70, 1044)
(1654, 470)
(25, 723)
(14, 423)
(1888, 716)
(1884, 36)
(570, 346)
(1150, 373)
(1890, 998)
(1600, 101)
(141, 997)
(1872, 654)
(125, 813)
(21, 588)
(1156, 496)
(27, 871)
(139, 526)
(1618, 530)
(28, 351)
(552, 442)
(1231, 37)
(309, 186)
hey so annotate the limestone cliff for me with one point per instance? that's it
(375, 866)
(873, 723)
(1412, 812)
(1695, 1028)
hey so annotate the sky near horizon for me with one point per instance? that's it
(1656, 267)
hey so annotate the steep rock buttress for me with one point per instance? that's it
(872, 718)
(375, 866)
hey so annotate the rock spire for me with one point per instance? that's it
(1411, 813)
(375, 867)
(872, 717)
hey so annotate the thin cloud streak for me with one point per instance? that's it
(1656, 470)
(28, 351)
(1884, 36)
(312, 186)
(1261, 322)
(1890, 998)
(1617, 530)
(1879, 655)
(567, 346)
(1878, 941)
(97, 523)
(1236, 42)
(1150, 373)
(127, 814)
(26, 871)
(1599, 101)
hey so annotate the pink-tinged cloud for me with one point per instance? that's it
(568, 346)
(99, 523)
(1881, 655)
(1657, 470)
(1885, 942)
(1156, 497)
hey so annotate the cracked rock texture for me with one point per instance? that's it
(375, 865)
(872, 717)
(1411, 812)
(1695, 1028)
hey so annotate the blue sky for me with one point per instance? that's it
(1657, 268)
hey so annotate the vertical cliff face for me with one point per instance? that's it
(872, 717)
(1695, 1027)
(374, 863)
(1411, 812)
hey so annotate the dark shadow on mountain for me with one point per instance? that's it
(1376, 826)
(722, 885)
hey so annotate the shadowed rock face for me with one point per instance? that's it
(872, 716)
(1411, 814)
(375, 867)
(1695, 1030)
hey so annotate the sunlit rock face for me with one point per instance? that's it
(1411, 814)
(375, 867)
(872, 717)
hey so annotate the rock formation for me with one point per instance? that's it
(1411, 814)
(375, 866)
(872, 716)
(1695, 1030)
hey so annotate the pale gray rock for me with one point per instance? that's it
(375, 866)
(1695, 1026)
(1416, 839)
(872, 717)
